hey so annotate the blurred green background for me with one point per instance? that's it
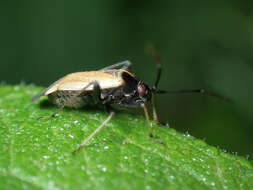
(203, 44)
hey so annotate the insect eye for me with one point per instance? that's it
(141, 89)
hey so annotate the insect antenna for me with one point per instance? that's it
(158, 61)
(154, 89)
(200, 91)
(157, 58)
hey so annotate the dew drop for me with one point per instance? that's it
(187, 134)
(106, 148)
(45, 157)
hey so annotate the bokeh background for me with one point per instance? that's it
(203, 44)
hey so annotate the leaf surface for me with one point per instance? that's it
(36, 154)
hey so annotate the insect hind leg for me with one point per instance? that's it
(122, 65)
(102, 125)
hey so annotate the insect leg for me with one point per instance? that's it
(65, 103)
(154, 109)
(123, 65)
(149, 126)
(95, 132)
(96, 92)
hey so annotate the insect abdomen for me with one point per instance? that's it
(67, 99)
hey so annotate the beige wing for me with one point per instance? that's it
(78, 81)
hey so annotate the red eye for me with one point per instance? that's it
(141, 89)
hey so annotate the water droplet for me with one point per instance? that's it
(45, 157)
(75, 122)
(146, 171)
(172, 177)
(212, 183)
(187, 134)
(71, 136)
(125, 157)
(106, 147)
(104, 169)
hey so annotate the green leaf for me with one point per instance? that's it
(36, 154)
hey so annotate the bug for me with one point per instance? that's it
(112, 85)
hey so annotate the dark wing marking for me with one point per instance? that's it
(131, 82)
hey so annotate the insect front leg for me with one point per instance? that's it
(149, 126)
(154, 109)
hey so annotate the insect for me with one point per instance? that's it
(112, 85)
